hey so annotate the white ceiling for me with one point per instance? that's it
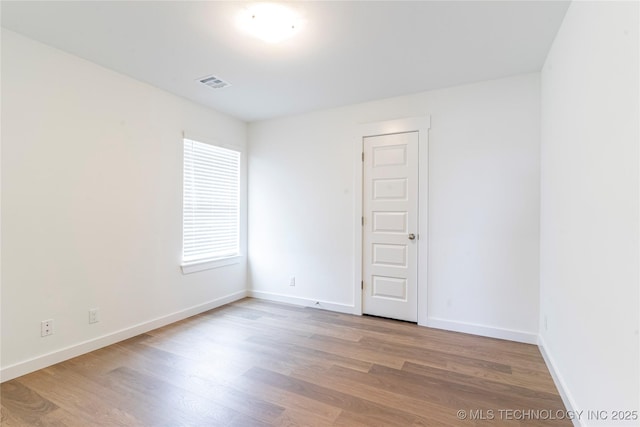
(348, 52)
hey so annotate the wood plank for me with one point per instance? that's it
(171, 405)
(10, 418)
(22, 403)
(377, 414)
(438, 415)
(88, 401)
(311, 354)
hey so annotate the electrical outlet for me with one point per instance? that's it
(292, 281)
(93, 315)
(46, 328)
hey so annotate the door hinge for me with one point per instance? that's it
(362, 221)
(362, 284)
(363, 156)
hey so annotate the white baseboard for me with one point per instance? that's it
(482, 330)
(304, 302)
(22, 368)
(561, 385)
(469, 328)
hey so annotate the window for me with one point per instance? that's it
(211, 204)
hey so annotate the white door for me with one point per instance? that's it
(390, 226)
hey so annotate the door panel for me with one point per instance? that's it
(389, 255)
(390, 206)
(390, 287)
(390, 222)
(389, 189)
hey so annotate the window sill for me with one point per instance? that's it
(194, 267)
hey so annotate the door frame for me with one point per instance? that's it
(410, 124)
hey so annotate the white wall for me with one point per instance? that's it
(483, 204)
(91, 205)
(589, 207)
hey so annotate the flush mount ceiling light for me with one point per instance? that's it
(269, 22)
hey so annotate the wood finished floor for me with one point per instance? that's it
(257, 363)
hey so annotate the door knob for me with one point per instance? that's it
(412, 236)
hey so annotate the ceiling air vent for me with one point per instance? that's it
(214, 82)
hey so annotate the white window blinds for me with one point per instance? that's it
(211, 205)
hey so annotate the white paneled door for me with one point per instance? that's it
(390, 226)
